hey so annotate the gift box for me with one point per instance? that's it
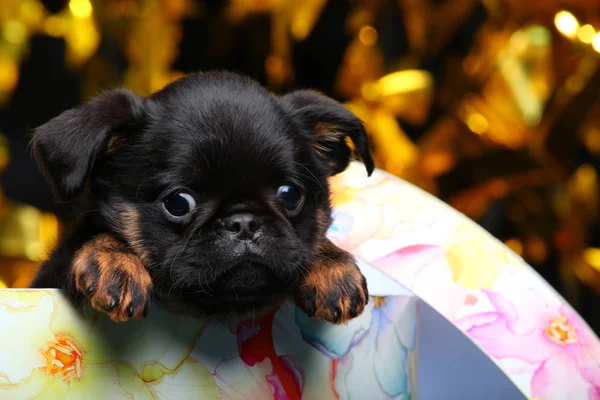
(453, 313)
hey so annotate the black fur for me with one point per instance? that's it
(231, 144)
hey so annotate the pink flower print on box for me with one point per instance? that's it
(562, 351)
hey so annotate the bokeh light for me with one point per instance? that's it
(586, 33)
(566, 23)
(81, 8)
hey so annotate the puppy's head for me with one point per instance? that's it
(219, 186)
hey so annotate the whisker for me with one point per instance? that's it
(208, 289)
(314, 178)
(140, 185)
(171, 271)
(200, 283)
(178, 281)
(87, 212)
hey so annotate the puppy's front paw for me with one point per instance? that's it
(334, 289)
(112, 278)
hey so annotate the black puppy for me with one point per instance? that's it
(211, 194)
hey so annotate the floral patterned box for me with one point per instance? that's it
(454, 314)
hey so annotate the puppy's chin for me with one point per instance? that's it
(249, 279)
(246, 291)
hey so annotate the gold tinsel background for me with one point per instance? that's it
(491, 105)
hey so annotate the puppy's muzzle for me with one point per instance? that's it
(242, 226)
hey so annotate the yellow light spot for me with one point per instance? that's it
(591, 256)
(515, 245)
(591, 138)
(32, 11)
(81, 8)
(477, 123)
(302, 14)
(596, 42)
(9, 74)
(519, 41)
(55, 26)
(300, 28)
(34, 250)
(3, 285)
(566, 23)
(367, 35)
(378, 301)
(403, 82)
(560, 331)
(49, 230)
(82, 40)
(586, 33)
(64, 358)
(15, 32)
(585, 176)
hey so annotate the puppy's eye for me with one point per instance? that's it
(179, 203)
(292, 199)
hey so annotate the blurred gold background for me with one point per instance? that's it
(491, 105)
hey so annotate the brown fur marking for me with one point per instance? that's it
(326, 133)
(334, 289)
(113, 278)
(130, 229)
(115, 141)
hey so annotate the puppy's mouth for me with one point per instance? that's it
(247, 282)
(246, 277)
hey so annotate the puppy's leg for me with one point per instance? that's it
(113, 278)
(334, 289)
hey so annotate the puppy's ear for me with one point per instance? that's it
(67, 146)
(330, 123)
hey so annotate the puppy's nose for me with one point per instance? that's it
(243, 226)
